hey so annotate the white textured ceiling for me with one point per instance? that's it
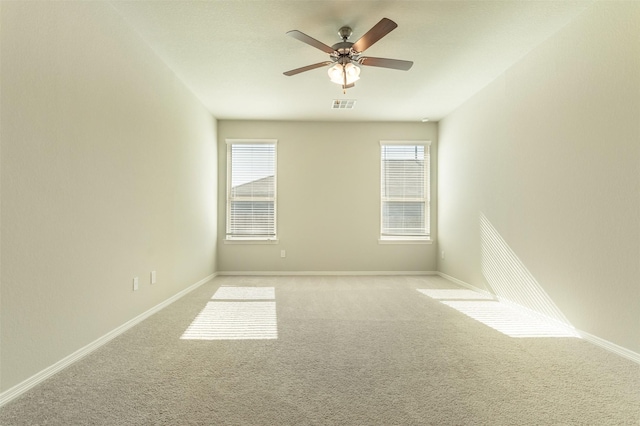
(232, 54)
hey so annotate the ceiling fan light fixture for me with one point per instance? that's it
(338, 72)
(335, 73)
(353, 73)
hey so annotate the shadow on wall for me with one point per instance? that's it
(509, 279)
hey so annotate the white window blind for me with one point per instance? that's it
(405, 190)
(251, 189)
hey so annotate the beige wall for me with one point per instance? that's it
(108, 171)
(542, 168)
(328, 198)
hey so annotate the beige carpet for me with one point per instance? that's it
(345, 351)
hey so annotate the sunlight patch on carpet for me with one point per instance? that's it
(503, 317)
(246, 293)
(507, 320)
(236, 313)
(234, 321)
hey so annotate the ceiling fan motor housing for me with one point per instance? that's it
(343, 52)
(345, 32)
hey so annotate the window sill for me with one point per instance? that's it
(251, 241)
(405, 240)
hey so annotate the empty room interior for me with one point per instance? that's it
(319, 212)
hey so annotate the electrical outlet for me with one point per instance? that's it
(135, 283)
(442, 255)
(153, 277)
(283, 253)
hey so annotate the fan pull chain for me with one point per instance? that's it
(344, 75)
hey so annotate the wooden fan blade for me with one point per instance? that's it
(307, 68)
(379, 30)
(395, 64)
(310, 41)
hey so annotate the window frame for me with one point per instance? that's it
(251, 239)
(426, 199)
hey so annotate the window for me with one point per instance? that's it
(404, 191)
(251, 190)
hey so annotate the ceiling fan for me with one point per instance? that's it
(345, 56)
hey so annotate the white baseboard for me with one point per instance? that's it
(605, 344)
(319, 273)
(37, 378)
(610, 346)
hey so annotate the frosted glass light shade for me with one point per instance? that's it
(338, 71)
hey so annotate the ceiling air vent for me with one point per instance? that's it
(343, 103)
